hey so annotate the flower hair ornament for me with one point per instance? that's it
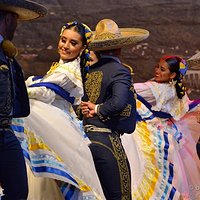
(183, 67)
(88, 36)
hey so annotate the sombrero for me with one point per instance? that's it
(194, 61)
(108, 35)
(26, 10)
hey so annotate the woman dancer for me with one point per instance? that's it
(52, 139)
(161, 151)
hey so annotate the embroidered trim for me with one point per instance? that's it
(127, 111)
(123, 167)
(167, 100)
(93, 85)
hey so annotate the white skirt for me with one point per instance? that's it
(163, 159)
(56, 147)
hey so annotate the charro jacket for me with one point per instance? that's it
(109, 85)
(13, 94)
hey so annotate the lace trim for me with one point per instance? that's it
(167, 100)
(73, 72)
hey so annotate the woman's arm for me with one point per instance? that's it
(47, 95)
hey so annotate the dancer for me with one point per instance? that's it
(109, 107)
(52, 138)
(161, 150)
(13, 98)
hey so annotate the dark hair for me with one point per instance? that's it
(174, 67)
(2, 14)
(79, 28)
(97, 54)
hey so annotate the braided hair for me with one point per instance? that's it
(86, 34)
(179, 66)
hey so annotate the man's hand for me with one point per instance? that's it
(88, 109)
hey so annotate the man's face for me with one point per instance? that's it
(11, 25)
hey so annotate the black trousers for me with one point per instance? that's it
(111, 165)
(13, 176)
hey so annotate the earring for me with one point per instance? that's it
(171, 82)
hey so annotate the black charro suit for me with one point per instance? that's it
(109, 85)
(13, 103)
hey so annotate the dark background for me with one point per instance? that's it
(174, 28)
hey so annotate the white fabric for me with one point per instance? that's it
(145, 148)
(41, 188)
(66, 75)
(64, 137)
(166, 99)
(145, 91)
(53, 120)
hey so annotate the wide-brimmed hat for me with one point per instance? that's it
(26, 10)
(108, 36)
(194, 61)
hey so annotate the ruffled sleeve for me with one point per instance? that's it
(67, 76)
(167, 100)
(73, 74)
(145, 91)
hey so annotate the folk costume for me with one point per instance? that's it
(52, 138)
(161, 150)
(13, 103)
(109, 87)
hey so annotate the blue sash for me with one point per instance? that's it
(194, 104)
(57, 89)
(159, 114)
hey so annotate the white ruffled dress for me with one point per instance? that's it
(52, 139)
(161, 151)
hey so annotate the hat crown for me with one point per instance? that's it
(108, 36)
(107, 29)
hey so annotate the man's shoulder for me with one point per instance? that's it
(111, 62)
(110, 67)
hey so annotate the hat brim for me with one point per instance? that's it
(194, 61)
(194, 64)
(128, 36)
(26, 10)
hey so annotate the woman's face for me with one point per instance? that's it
(162, 72)
(70, 45)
